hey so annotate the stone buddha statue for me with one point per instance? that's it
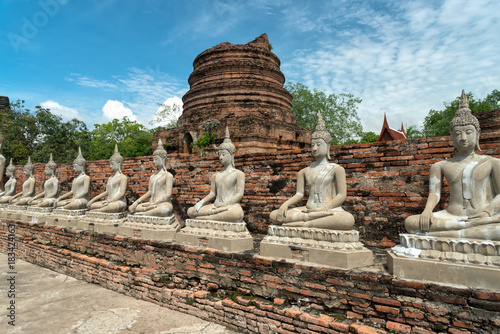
(325, 183)
(80, 189)
(474, 181)
(160, 189)
(48, 197)
(115, 189)
(226, 190)
(10, 185)
(24, 197)
(2, 162)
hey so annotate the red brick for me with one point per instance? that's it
(386, 301)
(354, 315)
(364, 329)
(394, 326)
(387, 309)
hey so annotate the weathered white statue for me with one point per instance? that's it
(115, 189)
(10, 185)
(226, 190)
(326, 184)
(80, 189)
(50, 187)
(474, 181)
(160, 189)
(2, 162)
(28, 192)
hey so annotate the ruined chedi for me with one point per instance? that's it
(241, 87)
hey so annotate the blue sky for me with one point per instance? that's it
(99, 59)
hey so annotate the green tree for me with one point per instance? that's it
(39, 133)
(369, 137)
(413, 132)
(339, 112)
(437, 122)
(168, 114)
(134, 140)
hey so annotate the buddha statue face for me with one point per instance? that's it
(48, 170)
(78, 168)
(319, 148)
(158, 161)
(115, 165)
(27, 171)
(465, 137)
(225, 157)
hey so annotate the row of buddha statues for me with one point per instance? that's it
(474, 182)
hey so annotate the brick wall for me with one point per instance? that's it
(255, 294)
(386, 182)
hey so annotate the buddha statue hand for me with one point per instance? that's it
(282, 211)
(198, 206)
(425, 221)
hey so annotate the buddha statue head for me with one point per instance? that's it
(116, 160)
(321, 133)
(160, 155)
(29, 168)
(463, 117)
(50, 167)
(79, 163)
(227, 145)
(11, 169)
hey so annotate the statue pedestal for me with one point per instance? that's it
(3, 208)
(102, 222)
(468, 262)
(149, 227)
(334, 248)
(36, 215)
(65, 218)
(13, 211)
(224, 236)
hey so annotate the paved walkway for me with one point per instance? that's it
(49, 302)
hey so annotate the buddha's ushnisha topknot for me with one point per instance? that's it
(11, 167)
(322, 133)
(227, 144)
(51, 164)
(464, 116)
(29, 165)
(160, 150)
(116, 156)
(79, 159)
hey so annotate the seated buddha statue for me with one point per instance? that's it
(160, 189)
(50, 187)
(325, 183)
(115, 189)
(2, 163)
(24, 197)
(80, 188)
(10, 185)
(473, 210)
(226, 190)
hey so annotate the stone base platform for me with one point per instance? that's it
(468, 262)
(65, 218)
(149, 227)
(102, 222)
(13, 211)
(224, 236)
(36, 215)
(333, 248)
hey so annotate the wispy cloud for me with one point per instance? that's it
(406, 58)
(138, 92)
(66, 113)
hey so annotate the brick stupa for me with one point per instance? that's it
(239, 86)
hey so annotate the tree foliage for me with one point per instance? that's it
(133, 139)
(413, 132)
(437, 122)
(39, 133)
(167, 116)
(339, 112)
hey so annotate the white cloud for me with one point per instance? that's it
(66, 113)
(405, 58)
(115, 109)
(175, 104)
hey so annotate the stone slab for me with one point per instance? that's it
(224, 236)
(100, 222)
(152, 228)
(336, 258)
(467, 275)
(66, 218)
